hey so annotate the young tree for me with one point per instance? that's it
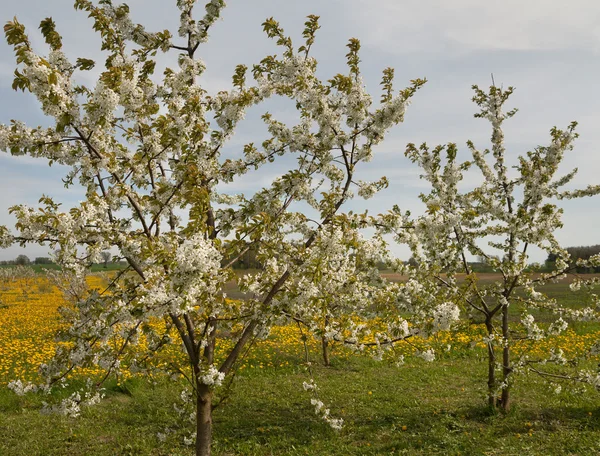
(24, 275)
(508, 212)
(22, 260)
(340, 281)
(145, 150)
(106, 257)
(7, 278)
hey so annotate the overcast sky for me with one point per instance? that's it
(548, 50)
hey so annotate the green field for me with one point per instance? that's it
(415, 409)
(418, 408)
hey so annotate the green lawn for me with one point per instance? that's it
(415, 409)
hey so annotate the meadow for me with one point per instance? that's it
(417, 408)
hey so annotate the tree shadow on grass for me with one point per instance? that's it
(465, 429)
(266, 423)
(550, 419)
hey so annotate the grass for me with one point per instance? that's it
(415, 409)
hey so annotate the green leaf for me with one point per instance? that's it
(20, 82)
(352, 56)
(387, 83)
(52, 78)
(85, 64)
(15, 33)
(310, 28)
(239, 77)
(48, 29)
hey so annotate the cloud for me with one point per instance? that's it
(463, 25)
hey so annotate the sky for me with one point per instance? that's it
(548, 50)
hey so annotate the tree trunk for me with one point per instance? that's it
(325, 342)
(506, 369)
(491, 366)
(203, 420)
(325, 345)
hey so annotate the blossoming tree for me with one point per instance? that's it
(508, 213)
(151, 157)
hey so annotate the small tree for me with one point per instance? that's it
(144, 150)
(508, 212)
(340, 281)
(25, 275)
(106, 257)
(22, 260)
(7, 278)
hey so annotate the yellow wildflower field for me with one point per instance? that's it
(29, 321)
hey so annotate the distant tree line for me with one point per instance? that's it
(481, 264)
(249, 260)
(579, 253)
(23, 260)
